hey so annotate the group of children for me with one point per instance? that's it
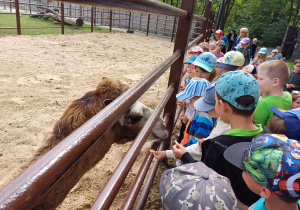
(238, 127)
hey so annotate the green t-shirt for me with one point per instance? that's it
(263, 113)
(244, 132)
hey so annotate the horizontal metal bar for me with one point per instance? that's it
(145, 6)
(111, 188)
(28, 188)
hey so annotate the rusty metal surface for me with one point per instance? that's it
(111, 188)
(138, 181)
(144, 6)
(26, 190)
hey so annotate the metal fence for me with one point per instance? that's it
(30, 188)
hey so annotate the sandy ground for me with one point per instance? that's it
(42, 75)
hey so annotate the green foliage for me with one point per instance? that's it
(9, 20)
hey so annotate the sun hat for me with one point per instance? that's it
(250, 69)
(206, 61)
(234, 84)
(192, 59)
(195, 186)
(245, 40)
(220, 42)
(274, 51)
(271, 160)
(195, 49)
(196, 87)
(219, 32)
(291, 119)
(220, 60)
(232, 60)
(207, 102)
(263, 50)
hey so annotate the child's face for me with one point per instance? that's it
(201, 73)
(245, 46)
(192, 101)
(279, 50)
(219, 47)
(297, 68)
(254, 41)
(273, 54)
(213, 113)
(265, 82)
(191, 71)
(251, 183)
(296, 104)
(212, 47)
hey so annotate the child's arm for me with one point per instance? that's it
(160, 155)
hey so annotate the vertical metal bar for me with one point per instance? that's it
(174, 24)
(156, 24)
(181, 43)
(70, 10)
(205, 23)
(165, 25)
(18, 17)
(110, 21)
(95, 16)
(141, 14)
(129, 21)
(92, 19)
(10, 7)
(148, 23)
(101, 14)
(62, 18)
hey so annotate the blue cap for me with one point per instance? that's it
(192, 59)
(208, 101)
(292, 121)
(234, 84)
(274, 51)
(206, 61)
(196, 87)
(263, 50)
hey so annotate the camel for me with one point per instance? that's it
(77, 113)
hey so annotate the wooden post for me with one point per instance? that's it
(62, 18)
(110, 21)
(205, 23)
(174, 25)
(92, 19)
(18, 17)
(181, 43)
(148, 23)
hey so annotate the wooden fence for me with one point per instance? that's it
(159, 25)
(28, 189)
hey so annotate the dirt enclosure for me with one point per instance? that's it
(42, 75)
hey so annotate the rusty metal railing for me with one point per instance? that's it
(30, 187)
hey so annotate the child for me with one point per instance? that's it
(195, 186)
(253, 48)
(205, 66)
(250, 69)
(270, 169)
(204, 46)
(190, 69)
(224, 38)
(212, 45)
(196, 50)
(260, 58)
(295, 100)
(202, 123)
(272, 56)
(279, 55)
(232, 61)
(293, 82)
(236, 97)
(217, 52)
(272, 76)
(244, 49)
(285, 122)
(204, 104)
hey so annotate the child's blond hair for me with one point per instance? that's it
(276, 69)
(204, 46)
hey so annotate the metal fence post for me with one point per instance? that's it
(62, 18)
(205, 23)
(148, 23)
(92, 19)
(174, 25)
(181, 43)
(110, 21)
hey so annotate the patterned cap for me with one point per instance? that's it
(232, 60)
(234, 84)
(192, 59)
(195, 186)
(272, 160)
(196, 87)
(206, 61)
(220, 42)
(219, 32)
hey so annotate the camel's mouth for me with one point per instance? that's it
(158, 135)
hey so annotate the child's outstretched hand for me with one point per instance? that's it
(181, 104)
(178, 150)
(159, 155)
(183, 118)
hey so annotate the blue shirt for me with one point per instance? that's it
(260, 205)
